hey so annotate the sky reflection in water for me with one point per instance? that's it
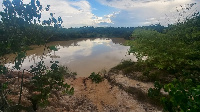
(83, 56)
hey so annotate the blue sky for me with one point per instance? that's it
(100, 9)
(117, 13)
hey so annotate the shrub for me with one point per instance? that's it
(96, 77)
(45, 81)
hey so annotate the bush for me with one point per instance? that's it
(96, 77)
(172, 53)
(47, 80)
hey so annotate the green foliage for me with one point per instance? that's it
(3, 92)
(96, 77)
(53, 48)
(173, 52)
(19, 60)
(128, 66)
(124, 64)
(16, 19)
(183, 96)
(155, 92)
(66, 72)
(165, 51)
(45, 81)
(3, 69)
(88, 32)
(156, 27)
(19, 28)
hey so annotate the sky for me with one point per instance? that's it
(118, 13)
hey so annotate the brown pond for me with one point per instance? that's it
(83, 56)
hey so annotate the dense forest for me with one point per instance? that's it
(172, 56)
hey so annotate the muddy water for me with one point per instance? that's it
(83, 56)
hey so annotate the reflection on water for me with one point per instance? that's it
(83, 56)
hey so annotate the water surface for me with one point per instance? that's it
(83, 56)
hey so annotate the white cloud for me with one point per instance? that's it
(78, 13)
(74, 13)
(156, 4)
(105, 18)
(141, 12)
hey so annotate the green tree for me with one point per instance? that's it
(174, 52)
(19, 29)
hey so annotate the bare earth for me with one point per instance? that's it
(102, 97)
(92, 97)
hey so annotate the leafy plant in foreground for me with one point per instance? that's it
(19, 28)
(3, 93)
(45, 81)
(183, 96)
(96, 77)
